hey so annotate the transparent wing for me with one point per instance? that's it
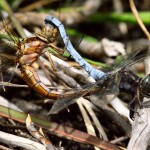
(132, 58)
(106, 89)
(9, 31)
(70, 97)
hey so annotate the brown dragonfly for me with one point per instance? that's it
(27, 52)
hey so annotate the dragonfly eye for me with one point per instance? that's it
(145, 85)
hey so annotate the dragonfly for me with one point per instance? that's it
(107, 85)
(28, 51)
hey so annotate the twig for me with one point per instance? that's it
(122, 138)
(135, 13)
(12, 84)
(19, 141)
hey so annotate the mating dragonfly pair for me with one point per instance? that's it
(107, 84)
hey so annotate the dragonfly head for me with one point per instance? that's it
(145, 85)
(48, 34)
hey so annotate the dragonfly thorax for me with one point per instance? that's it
(145, 85)
(30, 50)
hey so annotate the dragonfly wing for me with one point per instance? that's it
(61, 104)
(70, 97)
(14, 37)
(108, 89)
(105, 89)
(132, 58)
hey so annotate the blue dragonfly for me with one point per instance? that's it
(108, 87)
(94, 73)
(108, 84)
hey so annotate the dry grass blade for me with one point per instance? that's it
(99, 127)
(88, 123)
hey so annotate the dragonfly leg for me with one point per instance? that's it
(58, 50)
(51, 61)
(131, 105)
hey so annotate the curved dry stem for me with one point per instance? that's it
(135, 13)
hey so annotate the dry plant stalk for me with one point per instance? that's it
(135, 13)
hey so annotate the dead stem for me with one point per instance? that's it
(135, 13)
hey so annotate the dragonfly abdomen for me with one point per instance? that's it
(30, 76)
